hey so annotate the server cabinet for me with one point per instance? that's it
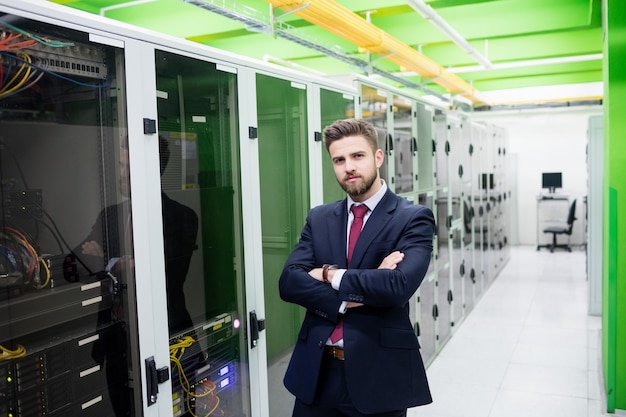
(504, 195)
(443, 212)
(283, 172)
(405, 145)
(376, 107)
(469, 230)
(484, 177)
(121, 236)
(67, 279)
(457, 172)
(334, 105)
(425, 303)
(426, 296)
(497, 202)
(425, 147)
(201, 203)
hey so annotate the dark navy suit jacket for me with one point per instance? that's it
(383, 366)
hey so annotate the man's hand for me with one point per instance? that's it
(125, 262)
(392, 260)
(317, 274)
(92, 248)
(352, 304)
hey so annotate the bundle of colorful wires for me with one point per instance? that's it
(6, 354)
(10, 41)
(204, 389)
(32, 263)
(176, 352)
(13, 41)
(32, 39)
(207, 400)
(23, 76)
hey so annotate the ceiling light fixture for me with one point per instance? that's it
(290, 64)
(123, 5)
(514, 64)
(429, 13)
(530, 63)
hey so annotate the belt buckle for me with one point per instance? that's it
(336, 352)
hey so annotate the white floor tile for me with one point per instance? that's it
(511, 403)
(555, 336)
(483, 373)
(547, 380)
(551, 356)
(458, 400)
(527, 349)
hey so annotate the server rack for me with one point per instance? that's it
(215, 363)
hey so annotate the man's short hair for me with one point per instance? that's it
(351, 127)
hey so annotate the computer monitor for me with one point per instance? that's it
(552, 180)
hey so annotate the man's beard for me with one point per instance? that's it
(360, 187)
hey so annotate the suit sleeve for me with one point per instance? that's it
(394, 288)
(298, 287)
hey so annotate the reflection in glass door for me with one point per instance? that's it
(201, 208)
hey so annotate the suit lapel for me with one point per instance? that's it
(337, 225)
(376, 222)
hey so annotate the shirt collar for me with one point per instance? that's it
(373, 201)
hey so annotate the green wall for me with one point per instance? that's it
(614, 280)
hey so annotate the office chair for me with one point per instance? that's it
(562, 230)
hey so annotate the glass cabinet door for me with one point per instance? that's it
(333, 106)
(405, 148)
(374, 108)
(201, 206)
(67, 280)
(425, 147)
(283, 176)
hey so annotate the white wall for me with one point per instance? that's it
(546, 140)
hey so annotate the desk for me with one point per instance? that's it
(552, 210)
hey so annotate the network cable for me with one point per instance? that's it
(205, 389)
(6, 354)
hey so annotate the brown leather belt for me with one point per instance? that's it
(335, 352)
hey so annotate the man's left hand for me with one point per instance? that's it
(317, 274)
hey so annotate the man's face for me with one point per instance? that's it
(356, 166)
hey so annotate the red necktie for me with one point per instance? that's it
(355, 231)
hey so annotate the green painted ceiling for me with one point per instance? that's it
(505, 31)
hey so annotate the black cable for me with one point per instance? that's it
(52, 232)
(17, 164)
(60, 235)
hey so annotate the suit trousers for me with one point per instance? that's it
(332, 398)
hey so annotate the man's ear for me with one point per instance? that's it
(380, 157)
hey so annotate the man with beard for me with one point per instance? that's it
(357, 264)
